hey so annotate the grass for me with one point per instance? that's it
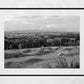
(22, 64)
(69, 54)
(64, 60)
(67, 49)
(13, 55)
(58, 63)
(33, 60)
(62, 63)
(26, 53)
(13, 65)
(43, 52)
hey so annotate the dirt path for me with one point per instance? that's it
(47, 56)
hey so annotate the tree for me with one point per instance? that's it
(20, 46)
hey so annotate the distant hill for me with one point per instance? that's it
(38, 31)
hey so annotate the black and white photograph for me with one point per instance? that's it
(42, 41)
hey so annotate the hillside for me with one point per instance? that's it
(44, 57)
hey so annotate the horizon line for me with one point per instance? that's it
(37, 31)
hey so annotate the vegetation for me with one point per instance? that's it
(33, 40)
(56, 58)
(42, 50)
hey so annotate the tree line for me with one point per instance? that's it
(39, 40)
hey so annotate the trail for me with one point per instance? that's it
(51, 55)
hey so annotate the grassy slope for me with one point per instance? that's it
(53, 57)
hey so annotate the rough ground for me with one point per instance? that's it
(48, 57)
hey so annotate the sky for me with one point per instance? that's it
(70, 23)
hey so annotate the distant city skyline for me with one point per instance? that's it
(70, 23)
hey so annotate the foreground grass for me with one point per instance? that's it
(27, 52)
(57, 63)
(44, 58)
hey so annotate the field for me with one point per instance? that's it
(48, 57)
(42, 50)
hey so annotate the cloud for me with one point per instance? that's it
(51, 25)
(44, 22)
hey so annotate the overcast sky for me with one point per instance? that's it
(43, 23)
